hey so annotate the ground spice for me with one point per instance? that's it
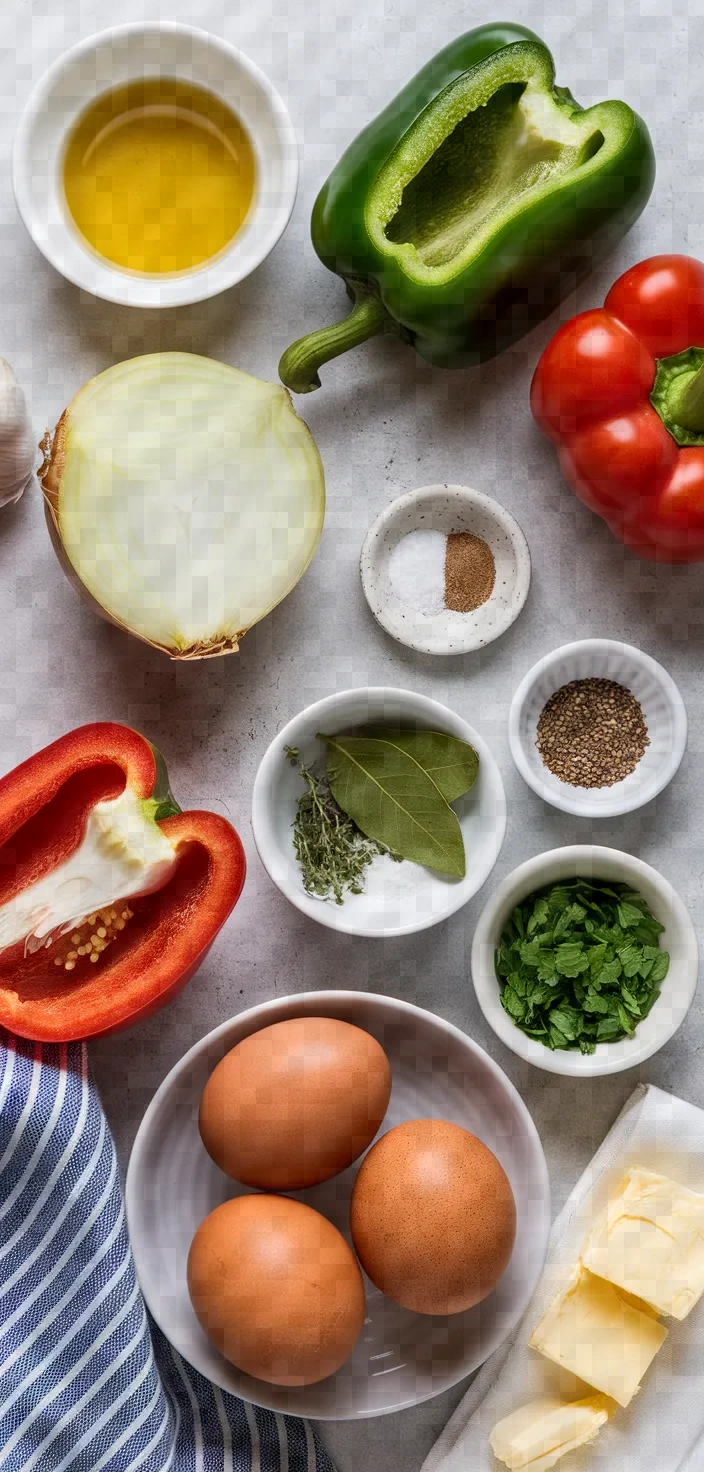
(469, 572)
(592, 733)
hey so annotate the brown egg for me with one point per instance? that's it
(277, 1289)
(295, 1103)
(433, 1217)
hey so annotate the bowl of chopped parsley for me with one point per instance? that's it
(585, 961)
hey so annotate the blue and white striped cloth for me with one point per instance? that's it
(87, 1382)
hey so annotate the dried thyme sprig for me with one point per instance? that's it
(330, 849)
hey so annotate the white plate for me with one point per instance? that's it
(446, 508)
(402, 1358)
(108, 60)
(398, 899)
(679, 939)
(663, 709)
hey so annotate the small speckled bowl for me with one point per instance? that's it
(446, 509)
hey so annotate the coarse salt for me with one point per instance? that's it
(417, 570)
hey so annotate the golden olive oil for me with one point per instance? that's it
(159, 175)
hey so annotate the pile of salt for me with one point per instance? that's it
(417, 570)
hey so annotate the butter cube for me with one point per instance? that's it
(650, 1240)
(534, 1438)
(595, 1330)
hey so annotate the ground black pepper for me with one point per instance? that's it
(469, 572)
(592, 733)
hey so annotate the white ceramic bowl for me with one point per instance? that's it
(678, 938)
(402, 1358)
(663, 709)
(446, 508)
(398, 898)
(108, 60)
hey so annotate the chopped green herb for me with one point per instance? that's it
(580, 963)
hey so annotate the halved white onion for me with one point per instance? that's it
(185, 498)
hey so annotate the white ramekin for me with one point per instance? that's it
(108, 60)
(663, 709)
(678, 938)
(406, 897)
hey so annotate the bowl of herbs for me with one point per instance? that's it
(585, 961)
(378, 812)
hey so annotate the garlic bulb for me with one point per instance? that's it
(17, 451)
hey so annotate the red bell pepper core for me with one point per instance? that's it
(620, 391)
(44, 807)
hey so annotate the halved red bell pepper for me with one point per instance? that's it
(45, 804)
(620, 391)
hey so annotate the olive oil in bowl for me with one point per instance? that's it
(159, 176)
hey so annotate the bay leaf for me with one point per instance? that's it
(393, 800)
(452, 764)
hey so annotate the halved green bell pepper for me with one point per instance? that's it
(473, 204)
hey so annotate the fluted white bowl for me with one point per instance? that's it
(402, 1357)
(590, 861)
(663, 709)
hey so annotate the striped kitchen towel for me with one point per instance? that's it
(88, 1382)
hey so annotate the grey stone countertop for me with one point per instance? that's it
(385, 422)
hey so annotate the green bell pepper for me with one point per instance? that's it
(473, 204)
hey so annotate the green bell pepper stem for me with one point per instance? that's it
(688, 409)
(299, 365)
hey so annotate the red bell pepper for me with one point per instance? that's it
(620, 391)
(44, 806)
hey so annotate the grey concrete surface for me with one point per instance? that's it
(385, 422)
